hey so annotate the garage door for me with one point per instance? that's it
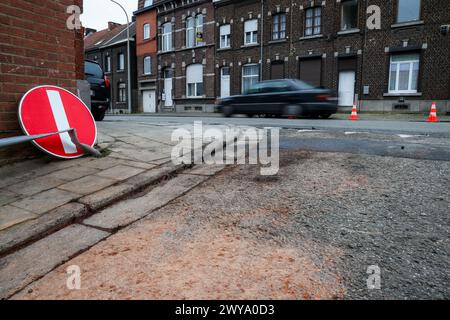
(311, 71)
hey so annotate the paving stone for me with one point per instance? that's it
(103, 163)
(29, 264)
(7, 197)
(73, 173)
(206, 170)
(34, 186)
(137, 164)
(120, 172)
(46, 201)
(88, 185)
(106, 196)
(10, 216)
(150, 177)
(37, 228)
(129, 211)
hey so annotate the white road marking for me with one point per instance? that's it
(62, 123)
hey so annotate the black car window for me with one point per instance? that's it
(300, 85)
(270, 87)
(93, 70)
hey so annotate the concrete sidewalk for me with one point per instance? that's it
(41, 196)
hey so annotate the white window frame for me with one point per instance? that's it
(225, 36)
(190, 32)
(122, 93)
(411, 63)
(194, 79)
(121, 64)
(252, 76)
(147, 65)
(148, 3)
(251, 32)
(166, 38)
(147, 31)
(199, 29)
(108, 64)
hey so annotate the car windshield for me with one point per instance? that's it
(93, 70)
(270, 87)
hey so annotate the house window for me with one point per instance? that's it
(251, 32)
(190, 32)
(199, 30)
(250, 76)
(148, 3)
(122, 94)
(404, 73)
(313, 21)
(279, 26)
(121, 64)
(225, 36)
(408, 10)
(194, 81)
(108, 63)
(146, 31)
(167, 37)
(349, 15)
(147, 65)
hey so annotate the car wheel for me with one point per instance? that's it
(98, 115)
(292, 110)
(325, 116)
(228, 111)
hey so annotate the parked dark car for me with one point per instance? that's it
(282, 98)
(100, 89)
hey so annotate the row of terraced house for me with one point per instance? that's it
(383, 55)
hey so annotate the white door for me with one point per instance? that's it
(346, 88)
(168, 86)
(149, 101)
(225, 82)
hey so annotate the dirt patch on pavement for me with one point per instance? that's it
(310, 234)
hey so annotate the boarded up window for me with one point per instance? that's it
(311, 71)
(277, 71)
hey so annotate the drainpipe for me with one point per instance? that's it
(262, 42)
(361, 92)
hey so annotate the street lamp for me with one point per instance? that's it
(129, 54)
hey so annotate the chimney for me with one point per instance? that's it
(113, 25)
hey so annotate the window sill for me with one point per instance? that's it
(120, 71)
(351, 31)
(196, 98)
(395, 94)
(224, 49)
(168, 51)
(407, 24)
(317, 36)
(278, 41)
(250, 45)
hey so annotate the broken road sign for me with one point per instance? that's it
(47, 109)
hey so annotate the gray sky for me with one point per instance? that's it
(97, 13)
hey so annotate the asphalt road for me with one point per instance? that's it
(412, 127)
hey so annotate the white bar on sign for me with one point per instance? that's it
(62, 123)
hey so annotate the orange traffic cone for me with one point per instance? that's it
(354, 115)
(433, 114)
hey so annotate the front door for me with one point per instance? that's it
(149, 101)
(225, 82)
(168, 86)
(346, 88)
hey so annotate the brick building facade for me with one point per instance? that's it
(109, 48)
(147, 58)
(36, 48)
(186, 48)
(402, 66)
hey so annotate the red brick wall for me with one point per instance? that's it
(36, 48)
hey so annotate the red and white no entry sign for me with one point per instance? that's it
(48, 109)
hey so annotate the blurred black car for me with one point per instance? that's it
(282, 98)
(100, 89)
